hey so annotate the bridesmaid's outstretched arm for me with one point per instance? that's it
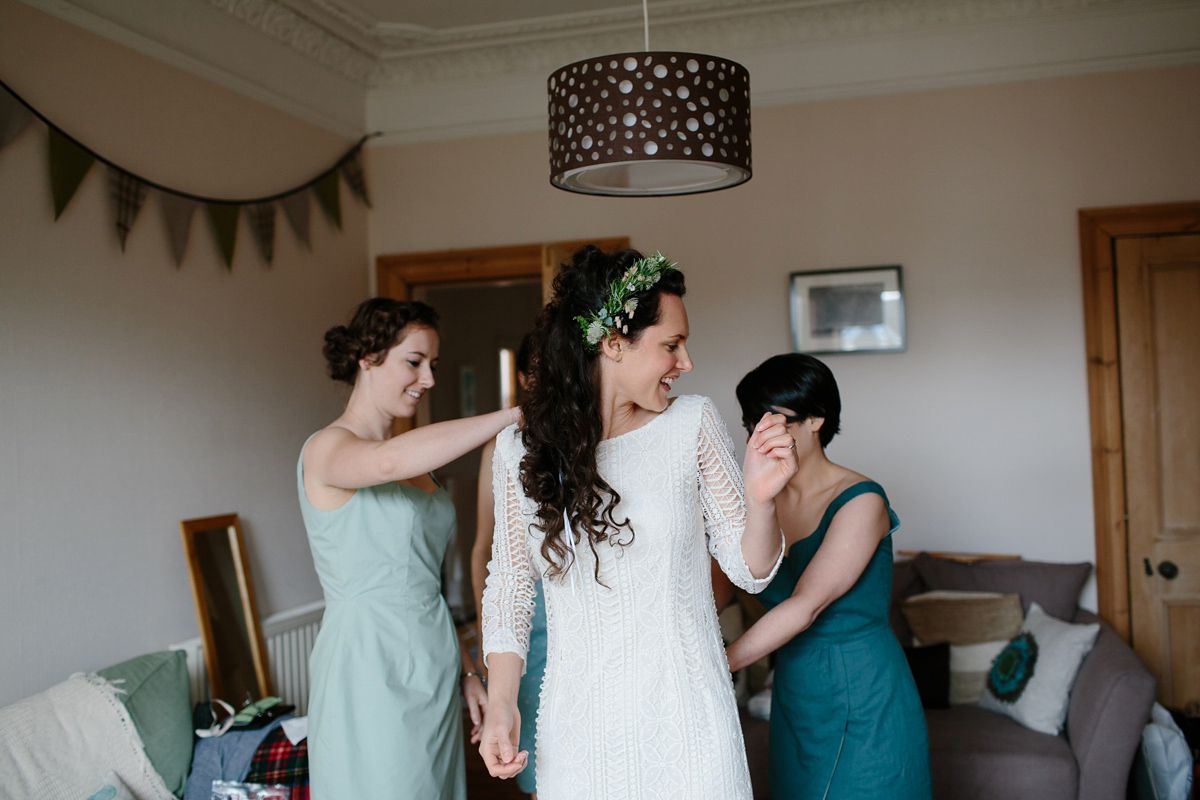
(853, 535)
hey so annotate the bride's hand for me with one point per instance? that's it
(770, 459)
(500, 738)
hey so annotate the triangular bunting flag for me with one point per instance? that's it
(262, 225)
(14, 118)
(224, 219)
(177, 214)
(69, 163)
(127, 194)
(352, 171)
(327, 192)
(295, 208)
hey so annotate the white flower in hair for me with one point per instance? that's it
(595, 332)
(642, 275)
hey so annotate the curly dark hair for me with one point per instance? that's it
(378, 326)
(562, 425)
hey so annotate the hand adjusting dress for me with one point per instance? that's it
(637, 700)
(846, 720)
(384, 710)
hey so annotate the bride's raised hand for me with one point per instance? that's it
(770, 459)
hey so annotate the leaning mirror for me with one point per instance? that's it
(234, 653)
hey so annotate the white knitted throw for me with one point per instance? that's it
(59, 744)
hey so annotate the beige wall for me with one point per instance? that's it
(979, 431)
(132, 394)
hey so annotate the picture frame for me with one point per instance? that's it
(852, 310)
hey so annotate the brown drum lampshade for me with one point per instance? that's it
(649, 123)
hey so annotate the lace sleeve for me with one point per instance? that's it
(723, 498)
(508, 595)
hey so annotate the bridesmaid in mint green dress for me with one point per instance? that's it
(846, 720)
(384, 711)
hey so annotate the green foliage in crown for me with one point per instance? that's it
(620, 305)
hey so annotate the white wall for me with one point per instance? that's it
(133, 394)
(979, 431)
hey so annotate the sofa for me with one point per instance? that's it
(977, 754)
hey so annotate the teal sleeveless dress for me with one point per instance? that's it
(846, 720)
(530, 692)
(384, 710)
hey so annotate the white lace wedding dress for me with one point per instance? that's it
(637, 700)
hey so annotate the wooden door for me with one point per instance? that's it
(1158, 310)
(398, 274)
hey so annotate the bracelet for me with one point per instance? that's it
(469, 674)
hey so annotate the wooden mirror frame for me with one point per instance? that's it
(190, 529)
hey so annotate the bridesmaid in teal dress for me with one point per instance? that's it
(846, 720)
(384, 711)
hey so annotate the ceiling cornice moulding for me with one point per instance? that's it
(376, 53)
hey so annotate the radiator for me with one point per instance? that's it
(290, 636)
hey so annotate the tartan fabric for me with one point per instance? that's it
(262, 225)
(277, 762)
(352, 171)
(127, 194)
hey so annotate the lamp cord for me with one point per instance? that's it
(646, 22)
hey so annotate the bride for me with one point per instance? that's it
(616, 495)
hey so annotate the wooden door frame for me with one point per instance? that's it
(1099, 228)
(397, 274)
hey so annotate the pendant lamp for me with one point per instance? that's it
(649, 124)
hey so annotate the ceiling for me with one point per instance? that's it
(428, 69)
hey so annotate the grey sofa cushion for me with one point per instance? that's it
(1055, 587)
(980, 755)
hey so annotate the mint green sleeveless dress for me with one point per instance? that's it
(846, 720)
(384, 711)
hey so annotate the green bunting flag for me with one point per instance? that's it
(69, 163)
(224, 220)
(261, 217)
(327, 192)
(296, 207)
(352, 171)
(14, 118)
(177, 213)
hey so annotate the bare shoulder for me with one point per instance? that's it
(324, 443)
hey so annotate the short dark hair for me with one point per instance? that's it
(378, 326)
(798, 382)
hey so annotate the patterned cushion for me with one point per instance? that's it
(1031, 679)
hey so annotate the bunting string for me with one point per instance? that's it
(70, 161)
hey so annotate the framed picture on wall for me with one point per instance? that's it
(856, 310)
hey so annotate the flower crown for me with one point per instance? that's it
(620, 305)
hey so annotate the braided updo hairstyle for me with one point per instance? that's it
(562, 425)
(379, 324)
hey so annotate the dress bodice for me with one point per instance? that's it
(385, 541)
(864, 608)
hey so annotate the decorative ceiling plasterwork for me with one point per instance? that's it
(381, 54)
(331, 63)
